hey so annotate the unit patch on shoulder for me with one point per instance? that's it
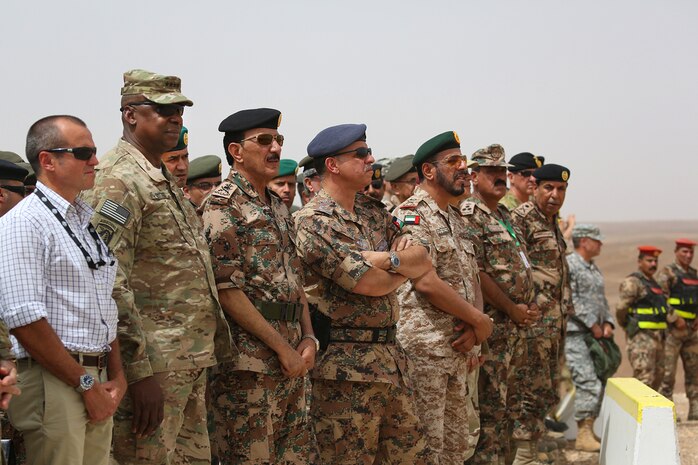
(467, 208)
(106, 231)
(115, 212)
(398, 222)
(411, 219)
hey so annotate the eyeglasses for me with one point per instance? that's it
(206, 186)
(266, 139)
(161, 109)
(21, 190)
(452, 162)
(80, 153)
(360, 153)
(525, 174)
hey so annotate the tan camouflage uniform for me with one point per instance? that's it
(680, 342)
(439, 374)
(546, 251)
(499, 256)
(260, 415)
(646, 347)
(510, 201)
(363, 405)
(168, 305)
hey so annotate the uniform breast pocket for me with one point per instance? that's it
(500, 250)
(164, 227)
(544, 250)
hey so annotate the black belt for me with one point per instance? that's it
(90, 361)
(365, 335)
(285, 311)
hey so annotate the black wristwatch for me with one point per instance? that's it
(87, 381)
(394, 261)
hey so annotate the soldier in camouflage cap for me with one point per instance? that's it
(448, 296)
(311, 180)
(259, 400)
(402, 179)
(507, 286)
(354, 257)
(176, 160)
(537, 220)
(204, 175)
(171, 326)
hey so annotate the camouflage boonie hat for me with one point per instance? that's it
(587, 230)
(491, 156)
(155, 87)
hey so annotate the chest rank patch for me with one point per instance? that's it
(412, 219)
(114, 212)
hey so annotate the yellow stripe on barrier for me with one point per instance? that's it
(633, 396)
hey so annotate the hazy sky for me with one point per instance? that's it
(606, 88)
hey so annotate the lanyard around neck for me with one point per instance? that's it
(510, 230)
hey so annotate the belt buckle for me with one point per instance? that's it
(102, 361)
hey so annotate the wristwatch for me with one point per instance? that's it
(394, 261)
(314, 339)
(86, 383)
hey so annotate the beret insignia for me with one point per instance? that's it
(565, 175)
(538, 162)
(455, 136)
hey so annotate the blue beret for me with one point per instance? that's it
(335, 138)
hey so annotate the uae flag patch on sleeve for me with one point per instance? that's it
(411, 219)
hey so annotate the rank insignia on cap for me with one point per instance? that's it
(377, 173)
(114, 211)
(411, 219)
(398, 222)
(186, 138)
(538, 162)
(455, 136)
(220, 168)
(565, 175)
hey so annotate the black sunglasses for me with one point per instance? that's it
(360, 153)
(526, 174)
(21, 190)
(81, 153)
(161, 109)
(206, 186)
(266, 139)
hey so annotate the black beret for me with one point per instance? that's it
(10, 171)
(377, 172)
(552, 172)
(239, 122)
(525, 161)
(444, 141)
(333, 139)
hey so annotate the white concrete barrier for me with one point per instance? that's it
(638, 425)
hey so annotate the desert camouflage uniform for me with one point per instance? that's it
(363, 405)
(260, 415)
(546, 251)
(499, 256)
(439, 374)
(591, 306)
(683, 342)
(170, 322)
(510, 201)
(646, 347)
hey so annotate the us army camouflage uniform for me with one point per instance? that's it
(363, 404)
(168, 306)
(680, 342)
(499, 256)
(260, 415)
(646, 348)
(510, 201)
(439, 374)
(591, 306)
(546, 248)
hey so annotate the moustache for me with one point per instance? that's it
(500, 182)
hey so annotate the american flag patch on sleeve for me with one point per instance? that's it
(115, 212)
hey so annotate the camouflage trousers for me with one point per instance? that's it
(683, 343)
(533, 387)
(646, 356)
(260, 419)
(588, 387)
(360, 423)
(182, 438)
(441, 391)
(507, 355)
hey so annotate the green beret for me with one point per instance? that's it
(491, 156)
(552, 172)
(155, 87)
(399, 167)
(183, 141)
(208, 166)
(444, 141)
(287, 167)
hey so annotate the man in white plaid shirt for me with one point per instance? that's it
(56, 280)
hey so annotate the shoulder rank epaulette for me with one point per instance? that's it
(324, 207)
(225, 190)
(524, 209)
(468, 208)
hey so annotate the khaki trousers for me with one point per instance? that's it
(52, 417)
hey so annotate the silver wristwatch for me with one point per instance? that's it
(394, 261)
(314, 339)
(87, 381)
